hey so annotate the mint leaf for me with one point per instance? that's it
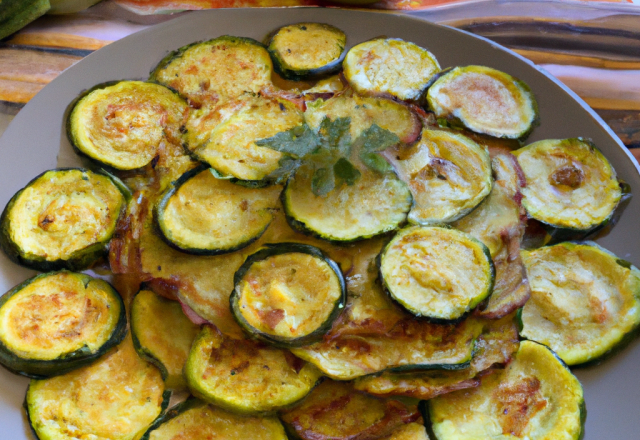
(287, 165)
(376, 138)
(323, 181)
(375, 162)
(297, 142)
(335, 134)
(345, 171)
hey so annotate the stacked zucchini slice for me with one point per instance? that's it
(318, 239)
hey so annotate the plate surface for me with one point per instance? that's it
(36, 137)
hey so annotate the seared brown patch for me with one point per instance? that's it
(569, 176)
(518, 403)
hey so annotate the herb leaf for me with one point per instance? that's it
(323, 181)
(375, 162)
(376, 138)
(336, 134)
(345, 171)
(297, 142)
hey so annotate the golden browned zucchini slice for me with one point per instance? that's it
(62, 219)
(484, 100)
(224, 136)
(571, 186)
(288, 294)
(56, 322)
(448, 174)
(122, 125)
(535, 398)
(245, 376)
(162, 334)
(203, 215)
(307, 50)
(334, 411)
(216, 70)
(194, 419)
(410, 431)
(584, 302)
(437, 273)
(116, 398)
(390, 66)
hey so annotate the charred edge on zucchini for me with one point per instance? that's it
(47, 251)
(307, 50)
(203, 233)
(417, 268)
(104, 320)
(264, 324)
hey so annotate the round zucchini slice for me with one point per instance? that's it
(210, 71)
(288, 294)
(570, 185)
(62, 219)
(390, 66)
(116, 398)
(536, 397)
(195, 419)
(437, 273)
(224, 136)
(56, 322)
(203, 215)
(448, 174)
(244, 376)
(376, 204)
(122, 125)
(307, 50)
(484, 100)
(162, 334)
(584, 302)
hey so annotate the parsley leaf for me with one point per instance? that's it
(345, 171)
(375, 162)
(376, 138)
(297, 142)
(323, 181)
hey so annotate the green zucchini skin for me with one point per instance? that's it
(161, 230)
(40, 369)
(296, 73)
(279, 249)
(80, 259)
(16, 14)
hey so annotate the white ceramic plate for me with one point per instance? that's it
(36, 136)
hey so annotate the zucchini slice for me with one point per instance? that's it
(410, 431)
(535, 398)
(203, 215)
(116, 398)
(376, 204)
(584, 302)
(288, 294)
(307, 50)
(484, 100)
(56, 322)
(390, 66)
(437, 273)
(162, 335)
(123, 124)
(448, 174)
(194, 419)
(62, 219)
(571, 186)
(216, 70)
(244, 376)
(224, 136)
(333, 411)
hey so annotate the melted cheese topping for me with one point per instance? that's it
(219, 69)
(436, 272)
(58, 314)
(308, 45)
(210, 213)
(205, 422)
(448, 175)
(115, 398)
(391, 66)
(124, 125)
(536, 397)
(570, 184)
(230, 147)
(168, 344)
(288, 295)
(582, 301)
(245, 376)
(485, 100)
(63, 212)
